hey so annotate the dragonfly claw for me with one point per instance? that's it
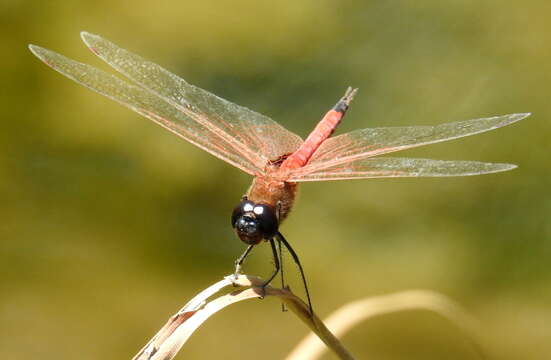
(237, 272)
(262, 290)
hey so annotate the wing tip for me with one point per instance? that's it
(90, 40)
(496, 122)
(87, 35)
(34, 48)
(40, 53)
(499, 167)
(517, 117)
(508, 167)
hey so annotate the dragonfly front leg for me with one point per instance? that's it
(240, 260)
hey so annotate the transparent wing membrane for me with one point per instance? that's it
(253, 135)
(403, 167)
(235, 134)
(249, 140)
(148, 105)
(346, 152)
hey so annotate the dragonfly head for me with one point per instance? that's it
(254, 222)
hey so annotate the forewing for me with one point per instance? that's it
(253, 135)
(367, 143)
(403, 167)
(188, 125)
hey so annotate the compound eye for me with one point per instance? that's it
(267, 219)
(243, 207)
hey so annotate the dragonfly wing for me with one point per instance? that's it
(402, 167)
(145, 103)
(252, 134)
(366, 143)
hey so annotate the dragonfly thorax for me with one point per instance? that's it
(254, 222)
(278, 194)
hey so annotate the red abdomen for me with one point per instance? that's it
(323, 130)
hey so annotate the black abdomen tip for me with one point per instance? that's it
(343, 104)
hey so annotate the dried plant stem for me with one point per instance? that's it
(353, 313)
(169, 340)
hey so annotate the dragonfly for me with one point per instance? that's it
(278, 159)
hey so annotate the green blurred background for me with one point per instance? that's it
(110, 223)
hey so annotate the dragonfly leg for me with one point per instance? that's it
(276, 264)
(240, 260)
(297, 261)
(280, 251)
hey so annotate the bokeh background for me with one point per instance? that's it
(110, 223)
